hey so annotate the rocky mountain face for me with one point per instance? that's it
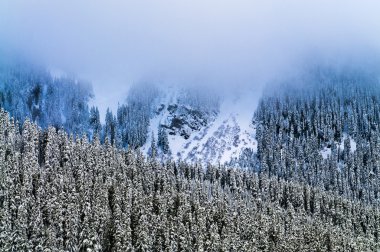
(203, 129)
(183, 120)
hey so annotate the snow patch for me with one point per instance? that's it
(326, 151)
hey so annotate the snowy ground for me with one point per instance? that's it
(326, 152)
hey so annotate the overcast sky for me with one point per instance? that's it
(116, 43)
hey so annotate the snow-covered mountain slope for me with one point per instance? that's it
(206, 136)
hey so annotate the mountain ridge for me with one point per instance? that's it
(214, 137)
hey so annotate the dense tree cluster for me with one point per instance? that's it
(326, 135)
(133, 118)
(60, 193)
(163, 141)
(29, 92)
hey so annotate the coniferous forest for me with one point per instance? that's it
(202, 125)
(313, 184)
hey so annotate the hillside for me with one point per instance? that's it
(300, 173)
(213, 133)
(60, 193)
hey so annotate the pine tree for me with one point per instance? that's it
(163, 141)
(94, 120)
(153, 147)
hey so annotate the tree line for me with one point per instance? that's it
(326, 135)
(60, 192)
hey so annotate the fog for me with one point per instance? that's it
(220, 43)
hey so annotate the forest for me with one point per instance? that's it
(221, 126)
(312, 185)
(29, 91)
(61, 193)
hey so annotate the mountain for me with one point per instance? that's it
(29, 91)
(310, 149)
(328, 115)
(215, 130)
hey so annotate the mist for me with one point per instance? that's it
(219, 43)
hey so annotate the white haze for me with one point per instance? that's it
(220, 43)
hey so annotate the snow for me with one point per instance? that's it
(326, 152)
(169, 97)
(353, 145)
(107, 97)
(220, 140)
(227, 135)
